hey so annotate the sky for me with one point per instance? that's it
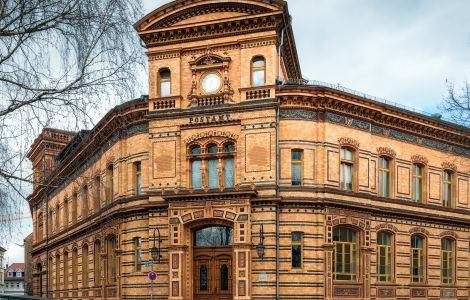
(401, 50)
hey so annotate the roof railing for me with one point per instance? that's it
(306, 82)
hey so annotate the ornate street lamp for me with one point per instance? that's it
(260, 246)
(155, 251)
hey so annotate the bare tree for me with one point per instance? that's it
(456, 104)
(60, 62)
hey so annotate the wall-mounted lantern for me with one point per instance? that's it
(260, 246)
(155, 251)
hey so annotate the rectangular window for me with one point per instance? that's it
(384, 177)
(417, 259)
(110, 187)
(447, 261)
(138, 254)
(346, 169)
(213, 175)
(229, 172)
(417, 183)
(85, 202)
(196, 179)
(138, 178)
(447, 189)
(97, 196)
(296, 167)
(384, 257)
(66, 270)
(297, 239)
(74, 207)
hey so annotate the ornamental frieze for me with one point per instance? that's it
(419, 159)
(449, 166)
(386, 227)
(386, 151)
(347, 141)
(212, 133)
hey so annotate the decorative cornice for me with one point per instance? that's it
(449, 166)
(448, 233)
(386, 151)
(386, 226)
(349, 142)
(419, 159)
(419, 230)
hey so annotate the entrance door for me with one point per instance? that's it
(212, 263)
(212, 273)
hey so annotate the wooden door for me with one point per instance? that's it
(212, 273)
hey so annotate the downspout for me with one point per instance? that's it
(47, 245)
(278, 173)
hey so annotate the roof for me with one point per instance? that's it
(16, 266)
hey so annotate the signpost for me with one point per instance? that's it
(152, 277)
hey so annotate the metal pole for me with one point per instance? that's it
(151, 290)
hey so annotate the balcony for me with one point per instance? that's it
(165, 103)
(257, 93)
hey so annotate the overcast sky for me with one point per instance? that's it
(401, 50)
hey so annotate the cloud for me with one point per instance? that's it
(400, 50)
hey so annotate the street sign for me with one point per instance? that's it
(152, 275)
(149, 264)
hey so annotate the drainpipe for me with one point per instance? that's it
(278, 174)
(47, 245)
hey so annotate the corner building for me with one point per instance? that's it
(249, 182)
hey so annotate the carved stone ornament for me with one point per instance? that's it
(350, 142)
(417, 158)
(386, 151)
(449, 166)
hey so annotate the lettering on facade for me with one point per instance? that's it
(212, 133)
(209, 119)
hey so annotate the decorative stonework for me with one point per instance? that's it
(418, 293)
(386, 292)
(419, 159)
(419, 230)
(448, 233)
(386, 151)
(389, 227)
(346, 291)
(349, 142)
(449, 166)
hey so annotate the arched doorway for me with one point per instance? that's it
(212, 263)
(39, 279)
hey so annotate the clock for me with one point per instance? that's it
(211, 83)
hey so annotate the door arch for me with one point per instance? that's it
(212, 262)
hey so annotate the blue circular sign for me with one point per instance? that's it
(152, 275)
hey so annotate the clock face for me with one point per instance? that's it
(211, 83)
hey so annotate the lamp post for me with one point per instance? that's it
(260, 246)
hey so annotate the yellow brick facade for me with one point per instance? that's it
(104, 198)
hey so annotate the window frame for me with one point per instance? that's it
(354, 248)
(110, 183)
(299, 162)
(111, 261)
(344, 162)
(297, 243)
(389, 257)
(421, 254)
(382, 170)
(452, 263)
(161, 80)
(415, 177)
(66, 270)
(85, 199)
(448, 186)
(97, 263)
(138, 177)
(74, 268)
(85, 265)
(254, 69)
(137, 243)
(97, 194)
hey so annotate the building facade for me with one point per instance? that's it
(28, 261)
(14, 279)
(2, 281)
(236, 179)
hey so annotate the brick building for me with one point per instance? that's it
(240, 180)
(14, 279)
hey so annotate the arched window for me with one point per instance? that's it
(418, 183)
(215, 163)
(418, 259)
(39, 270)
(85, 266)
(345, 258)
(385, 179)
(296, 167)
(213, 236)
(111, 255)
(447, 189)
(384, 256)
(57, 218)
(97, 263)
(203, 278)
(66, 270)
(258, 69)
(85, 209)
(57, 272)
(50, 273)
(164, 82)
(110, 184)
(40, 226)
(50, 223)
(74, 268)
(346, 169)
(447, 261)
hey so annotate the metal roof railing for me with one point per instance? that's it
(295, 81)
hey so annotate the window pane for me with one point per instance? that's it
(196, 174)
(229, 173)
(224, 278)
(212, 149)
(258, 62)
(258, 78)
(213, 176)
(346, 177)
(296, 155)
(165, 89)
(213, 236)
(203, 278)
(296, 237)
(196, 150)
(229, 148)
(296, 174)
(296, 256)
